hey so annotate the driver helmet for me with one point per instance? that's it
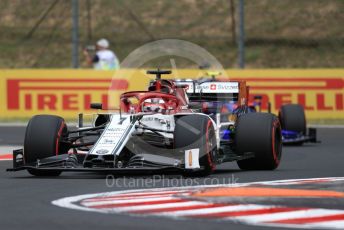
(166, 86)
(153, 105)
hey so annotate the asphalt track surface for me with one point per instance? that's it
(25, 201)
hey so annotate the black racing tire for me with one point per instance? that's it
(42, 140)
(259, 133)
(197, 131)
(292, 118)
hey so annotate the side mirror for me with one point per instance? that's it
(96, 106)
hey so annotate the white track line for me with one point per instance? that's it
(158, 206)
(212, 210)
(114, 202)
(127, 198)
(6, 149)
(272, 217)
(136, 195)
(327, 224)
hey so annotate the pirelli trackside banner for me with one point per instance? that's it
(68, 92)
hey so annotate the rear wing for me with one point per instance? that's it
(210, 90)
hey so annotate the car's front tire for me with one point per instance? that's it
(43, 139)
(292, 118)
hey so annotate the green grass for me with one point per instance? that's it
(279, 33)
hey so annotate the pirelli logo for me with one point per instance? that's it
(322, 97)
(280, 83)
(315, 94)
(60, 94)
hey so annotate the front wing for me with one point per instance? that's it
(291, 137)
(61, 164)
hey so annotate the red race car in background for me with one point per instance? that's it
(292, 116)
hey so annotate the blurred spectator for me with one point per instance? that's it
(104, 58)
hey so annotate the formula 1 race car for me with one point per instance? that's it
(292, 116)
(156, 131)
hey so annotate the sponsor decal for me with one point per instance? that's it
(113, 136)
(102, 151)
(108, 141)
(321, 97)
(54, 94)
(218, 87)
(192, 159)
(68, 92)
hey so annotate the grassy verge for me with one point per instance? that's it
(279, 33)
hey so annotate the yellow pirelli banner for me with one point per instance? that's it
(66, 93)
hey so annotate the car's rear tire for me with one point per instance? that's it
(197, 131)
(259, 133)
(292, 118)
(42, 140)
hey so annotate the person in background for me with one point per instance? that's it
(104, 58)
